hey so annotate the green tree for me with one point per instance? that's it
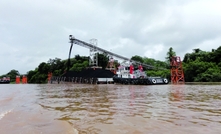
(55, 64)
(103, 60)
(43, 68)
(197, 50)
(79, 66)
(161, 73)
(210, 75)
(137, 58)
(217, 55)
(12, 74)
(149, 61)
(170, 54)
(202, 66)
(30, 75)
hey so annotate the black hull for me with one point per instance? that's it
(4, 82)
(141, 81)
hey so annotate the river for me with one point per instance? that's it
(109, 109)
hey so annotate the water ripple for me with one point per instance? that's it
(89, 107)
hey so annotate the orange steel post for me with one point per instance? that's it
(17, 80)
(177, 75)
(49, 76)
(24, 79)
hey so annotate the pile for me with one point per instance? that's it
(90, 73)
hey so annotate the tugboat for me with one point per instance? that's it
(127, 75)
(5, 80)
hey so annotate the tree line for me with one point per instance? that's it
(198, 66)
(202, 66)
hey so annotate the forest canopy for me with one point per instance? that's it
(202, 66)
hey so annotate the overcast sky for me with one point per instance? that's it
(32, 32)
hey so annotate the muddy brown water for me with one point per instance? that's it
(109, 109)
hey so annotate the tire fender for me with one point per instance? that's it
(154, 81)
(165, 80)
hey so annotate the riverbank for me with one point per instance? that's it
(203, 83)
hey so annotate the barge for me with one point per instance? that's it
(5, 80)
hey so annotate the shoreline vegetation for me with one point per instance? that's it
(200, 67)
(203, 83)
(186, 83)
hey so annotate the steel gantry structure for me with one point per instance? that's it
(94, 49)
(177, 75)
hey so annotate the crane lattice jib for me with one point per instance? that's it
(90, 46)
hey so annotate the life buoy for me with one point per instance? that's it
(165, 80)
(154, 81)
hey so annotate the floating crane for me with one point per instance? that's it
(93, 49)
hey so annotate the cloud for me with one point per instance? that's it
(35, 31)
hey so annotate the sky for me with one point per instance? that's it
(32, 32)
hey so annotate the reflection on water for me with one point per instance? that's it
(121, 108)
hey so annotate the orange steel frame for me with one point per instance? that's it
(177, 75)
(17, 80)
(49, 76)
(24, 79)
